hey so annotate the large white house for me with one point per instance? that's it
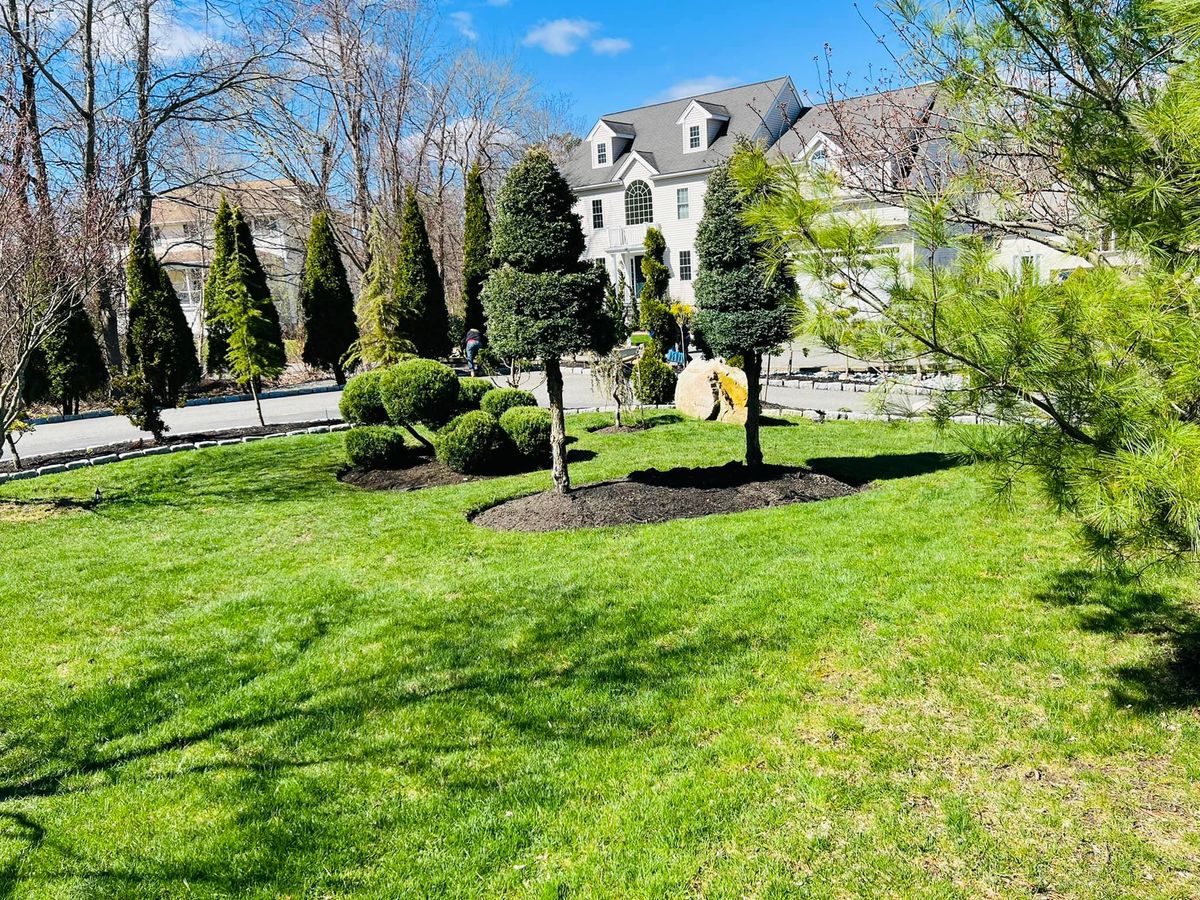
(649, 166)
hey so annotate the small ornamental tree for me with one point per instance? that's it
(161, 353)
(217, 337)
(610, 372)
(252, 355)
(420, 296)
(477, 250)
(71, 362)
(744, 309)
(268, 335)
(544, 301)
(655, 312)
(329, 324)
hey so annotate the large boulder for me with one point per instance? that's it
(710, 389)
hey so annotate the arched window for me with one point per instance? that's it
(639, 207)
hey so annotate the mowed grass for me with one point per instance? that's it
(236, 676)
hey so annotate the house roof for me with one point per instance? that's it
(279, 197)
(658, 136)
(876, 121)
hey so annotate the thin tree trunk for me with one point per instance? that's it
(558, 427)
(142, 147)
(12, 445)
(617, 400)
(257, 402)
(753, 363)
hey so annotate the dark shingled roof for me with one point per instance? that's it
(889, 115)
(658, 133)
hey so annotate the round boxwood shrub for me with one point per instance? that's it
(471, 391)
(361, 403)
(419, 391)
(528, 427)
(653, 380)
(376, 447)
(499, 401)
(471, 443)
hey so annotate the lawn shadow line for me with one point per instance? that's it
(859, 471)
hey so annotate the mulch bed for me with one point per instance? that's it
(426, 473)
(8, 464)
(652, 496)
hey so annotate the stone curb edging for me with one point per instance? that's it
(199, 401)
(105, 459)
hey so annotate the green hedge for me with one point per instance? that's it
(376, 447)
(653, 380)
(472, 443)
(499, 401)
(419, 391)
(361, 403)
(528, 427)
(471, 391)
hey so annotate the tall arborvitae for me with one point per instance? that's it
(655, 312)
(268, 333)
(252, 356)
(159, 346)
(477, 250)
(418, 287)
(329, 323)
(74, 361)
(381, 341)
(544, 301)
(216, 344)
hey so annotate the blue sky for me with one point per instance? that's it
(620, 54)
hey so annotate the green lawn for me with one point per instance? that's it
(238, 677)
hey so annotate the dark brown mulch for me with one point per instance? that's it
(8, 464)
(652, 496)
(427, 472)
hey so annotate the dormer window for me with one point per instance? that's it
(602, 154)
(693, 137)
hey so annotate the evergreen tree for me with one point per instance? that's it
(268, 334)
(161, 352)
(252, 354)
(420, 297)
(745, 309)
(383, 327)
(217, 338)
(73, 360)
(329, 324)
(477, 251)
(544, 301)
(655, 313)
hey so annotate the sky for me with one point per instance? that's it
(622, 53)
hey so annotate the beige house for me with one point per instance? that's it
(182, 222)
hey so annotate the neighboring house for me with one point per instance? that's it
(649, 167)
(182, 220)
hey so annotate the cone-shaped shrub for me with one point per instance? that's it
(420, 296)
(477, 250)
(268, 336)
(71, 362)
(215, 328)
(328, 305)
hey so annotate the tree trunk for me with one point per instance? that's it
(558, 427)
(617, 399)
(753, 363)
(257, 403)
(143, 128)
(339, 374)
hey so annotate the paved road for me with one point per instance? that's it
(65, 436)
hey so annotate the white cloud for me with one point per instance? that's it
(560, 37)
(465, 23)
(610, 46)
(694, 87)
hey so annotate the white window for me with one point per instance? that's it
(693, 137)
(1028, 265)
(685, 265)
(819, 159)
(597, 214)
(682, 208)
(602, 154)
(639, 207)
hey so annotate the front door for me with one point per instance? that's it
(636, 278)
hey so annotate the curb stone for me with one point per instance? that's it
(132, 454)
(51, 470)
(78, 464)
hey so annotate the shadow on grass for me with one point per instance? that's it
(858, 471)
(1105, 604)
(242, 728)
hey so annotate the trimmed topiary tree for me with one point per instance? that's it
(330, 327)
(743, 308)
(216, 343)
(419, 392)
(477, 251)
(377, 447)
(655, 313)
(361, 403)
(420, 296)
(471, 392)
(471, 443)
(653, 380)
(159, 346)
(544, 301)
(528, 428)
(500, 400)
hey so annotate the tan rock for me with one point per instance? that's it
(711, 389)
(733, 392)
